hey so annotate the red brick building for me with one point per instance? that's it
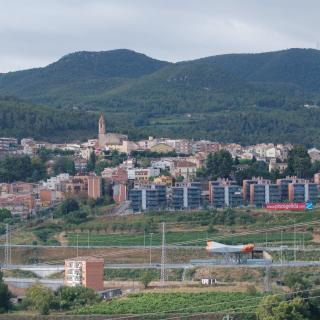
(94, 187)
(84, 271)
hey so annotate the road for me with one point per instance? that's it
(42, 270)
(24, 283)
(258, 248)
(46, 270)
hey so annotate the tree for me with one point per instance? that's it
(100, 166)
(91, 165)
(5, 214)
(275, 308)
(296, 309)
(73, 297)
(256, 169)
(179, 178)
(145, 162)
(219, 165)
(5, 296)
(64, 165)
(39, 298)
(38, 169)
(14, 168)
(299, 162)
(316, 166)
(146, 278)
(297, 282)
(77, 217)
(69, 205)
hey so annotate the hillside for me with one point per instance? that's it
(244, 98)
(21, 119)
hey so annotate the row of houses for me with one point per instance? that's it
(23, 198)
(114, 141)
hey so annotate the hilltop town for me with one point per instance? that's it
(155, 168)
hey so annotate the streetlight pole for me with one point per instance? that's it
(77, 245)
(150, 247)
(144, 246)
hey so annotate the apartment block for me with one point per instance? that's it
(263, 193)
(246, 187)
(225, 193)
(303, 192)
(148, 198)
(84, 271)
(284, 186)
(187, 196)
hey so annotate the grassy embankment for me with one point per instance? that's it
(188, 228)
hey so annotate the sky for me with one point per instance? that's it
(34, 33)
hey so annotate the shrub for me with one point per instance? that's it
(252, 290)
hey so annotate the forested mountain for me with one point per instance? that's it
(245, 98)
(299, 67)
(78, 75)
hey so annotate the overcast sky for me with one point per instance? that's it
(37, 32)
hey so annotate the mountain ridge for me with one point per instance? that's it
(219, 97)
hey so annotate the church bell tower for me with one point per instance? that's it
(102, 124)
(102, 132)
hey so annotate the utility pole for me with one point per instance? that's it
(281, 258)
(266, 240)
(294, 245)
(163, 255)
(150, 256)
(77, 245)
(7, 248)
(144, 246)
(267, 280)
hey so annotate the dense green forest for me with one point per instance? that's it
(21, 119)
(243, 98)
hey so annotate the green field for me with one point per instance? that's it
(136, 274)
(162, 304)
(138, 239)
(183, 238)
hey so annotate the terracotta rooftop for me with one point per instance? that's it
(184, 164)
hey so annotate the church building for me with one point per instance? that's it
(113, 141)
